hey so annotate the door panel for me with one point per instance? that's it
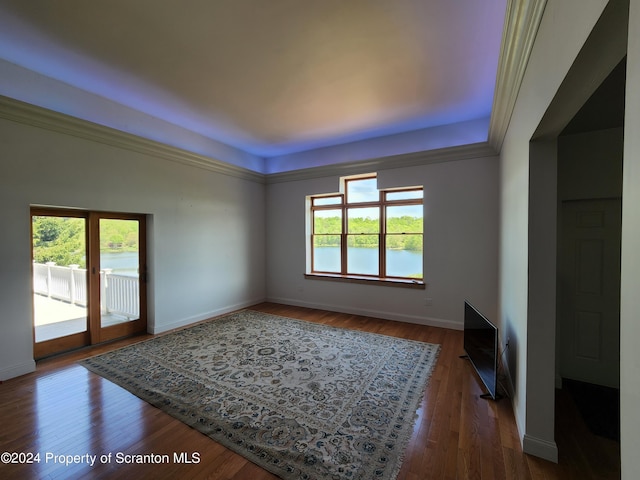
(60, 303)
(119, 289)
(589, 291)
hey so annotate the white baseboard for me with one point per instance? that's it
(155, 329)
(419, 320)
(558, 382)
(537, 447)
(17, 370)
(540, 448)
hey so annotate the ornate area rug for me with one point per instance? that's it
(302, 400)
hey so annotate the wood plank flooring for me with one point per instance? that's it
(63, 409)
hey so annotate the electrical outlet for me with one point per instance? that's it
(428, 301)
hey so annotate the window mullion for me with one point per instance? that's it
(382, 240)
(343, 241)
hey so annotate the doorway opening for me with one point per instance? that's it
(578, 140)
(590, 159)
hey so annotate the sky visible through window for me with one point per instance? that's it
(367, 191)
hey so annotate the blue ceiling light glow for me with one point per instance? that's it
(437, 137)
(25, 47)
(41, 70)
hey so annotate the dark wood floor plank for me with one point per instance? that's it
(64, 409)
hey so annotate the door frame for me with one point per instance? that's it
(67, 342)
(94, 332)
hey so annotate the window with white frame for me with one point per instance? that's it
(363, 232)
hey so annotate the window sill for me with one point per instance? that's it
(388, 282)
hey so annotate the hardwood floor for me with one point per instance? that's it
(63, 409)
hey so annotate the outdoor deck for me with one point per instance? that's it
(57, 318)
(60, 299)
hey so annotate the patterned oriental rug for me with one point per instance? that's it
(300, 399)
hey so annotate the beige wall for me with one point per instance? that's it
(630, 300)
(206, 237)
(556, 48)
(590, 164)
(460, 246)
(525, 305)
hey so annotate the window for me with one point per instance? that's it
(366, 233)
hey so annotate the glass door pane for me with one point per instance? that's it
(119, 271)
(60, 293)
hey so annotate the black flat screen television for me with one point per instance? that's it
(481, 347)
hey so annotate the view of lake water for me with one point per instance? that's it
(122, 263)
(405, 263)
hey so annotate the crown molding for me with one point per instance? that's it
(40, 117)
(521, 23)
(35, 116)
(448, 154)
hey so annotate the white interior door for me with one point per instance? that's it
(589, 291)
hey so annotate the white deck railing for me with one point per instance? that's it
(119, 294)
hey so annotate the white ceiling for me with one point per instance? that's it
(267, 77)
